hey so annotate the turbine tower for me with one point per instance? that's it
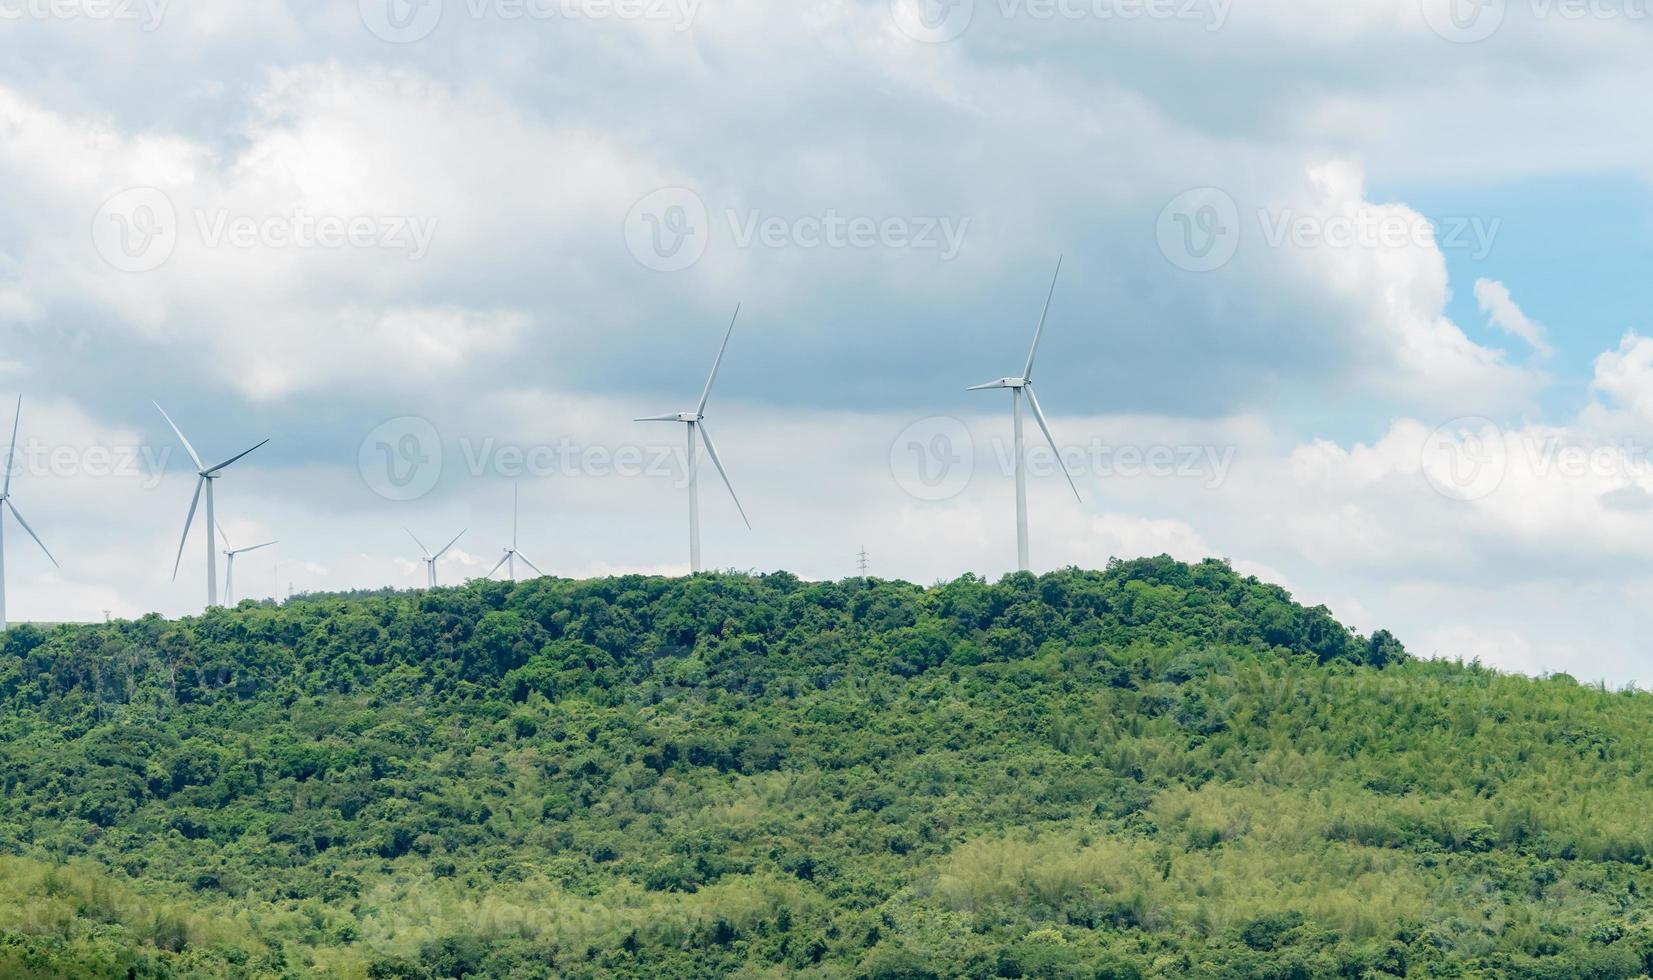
(1018, 387)
(511, 553)
(696, 422)
(6, 504)
(429, 559)
(205, 476)
(230, 552)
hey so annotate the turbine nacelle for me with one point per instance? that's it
(1001, 383)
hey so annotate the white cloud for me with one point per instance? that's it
(1495, 301)
(480, 179)
(523, 145)
(1383, 262)
(1625, 375)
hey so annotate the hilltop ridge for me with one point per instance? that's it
(1157, 769)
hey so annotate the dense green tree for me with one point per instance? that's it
(1158, 769)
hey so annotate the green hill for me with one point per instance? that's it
(1156, 770)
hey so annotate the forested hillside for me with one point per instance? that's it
(1156, 770)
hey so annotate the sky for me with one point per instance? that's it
(1351, 295)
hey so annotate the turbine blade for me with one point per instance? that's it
(200, 481)
(657, 418)
(711, 451)
(1039, 414)
(450, 544)
(524, 559)
(256, 547)
(1027, 372)
(421, 544)
(717, 363)
(11, 454)
(497, 567)
(180, 434)
(233, 459)
(227, 545)
(15, 513)
(988, 384)
(515, 492)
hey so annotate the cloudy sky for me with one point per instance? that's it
(1352, 294)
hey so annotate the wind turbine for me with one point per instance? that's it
(1018, 387)
(696, 421)
(229, 564)
(205, 476)
(511, 553)
(429, 559)
(5, 498)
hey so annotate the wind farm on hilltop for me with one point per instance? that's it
(698, 438)
(1291, 623)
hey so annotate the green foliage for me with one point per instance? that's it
(1156, 770)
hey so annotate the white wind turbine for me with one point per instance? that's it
(696, 421)
(1018, 387)
(5, 499)
(205, 476)
(229, 563)
(511, 553)
(430, 559)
